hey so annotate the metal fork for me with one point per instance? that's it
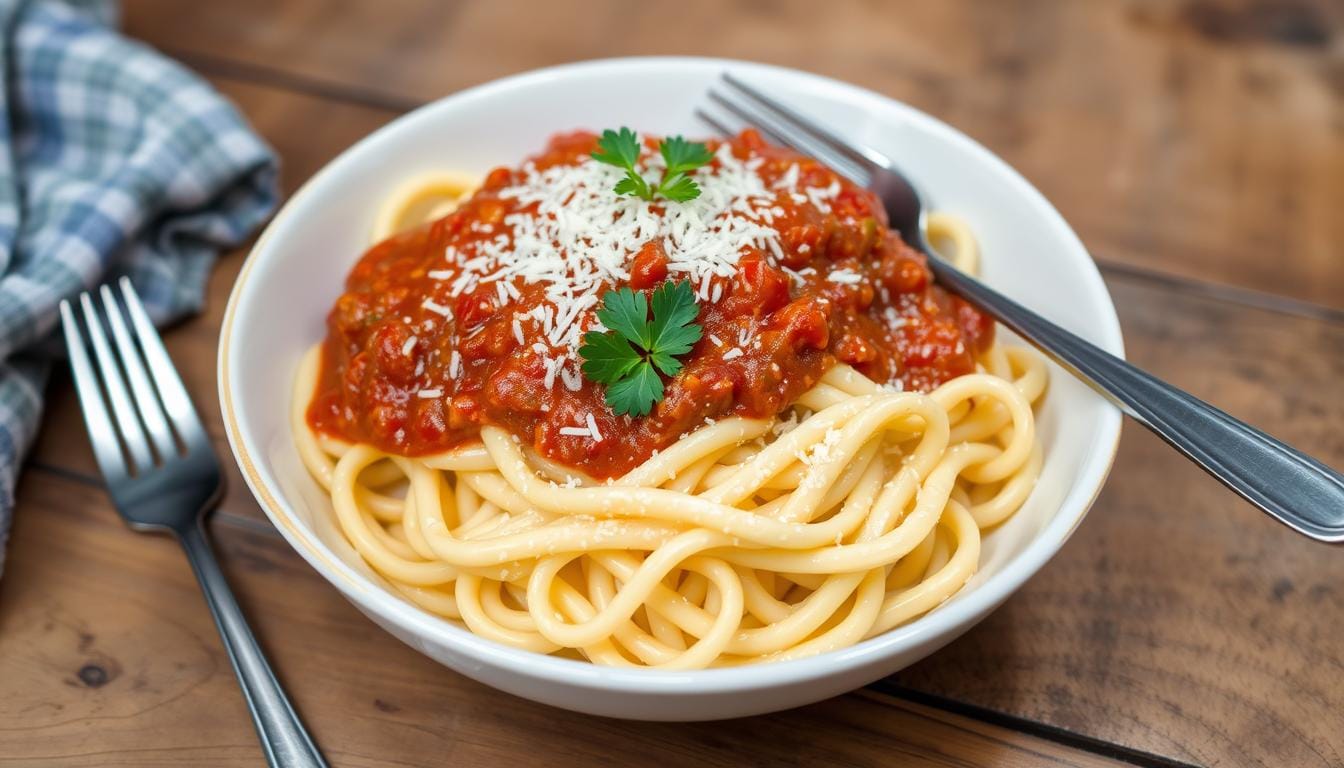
(1294, 488)
(164, 476)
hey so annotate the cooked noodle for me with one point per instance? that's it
(855, 511)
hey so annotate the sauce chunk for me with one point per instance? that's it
(423, 348)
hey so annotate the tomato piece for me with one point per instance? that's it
(841, 288)
(649, 267)
(763, 286)
(474, 308)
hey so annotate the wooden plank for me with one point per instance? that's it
(1180, 620)
(1201, 139)
(1202, 572)
(108, 657)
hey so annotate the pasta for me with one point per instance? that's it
(851, 511)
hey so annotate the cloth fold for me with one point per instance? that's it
(114, 160)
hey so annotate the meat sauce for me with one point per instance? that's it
(787, 314)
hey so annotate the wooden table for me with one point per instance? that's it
(1197, 147)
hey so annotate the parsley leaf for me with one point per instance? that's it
(625, 312)
(632, 184)
(673, 329)
(618, 149)
(679, 188)
(682, 155)
(622, 148)
(608, 357)
(637, 393)
(628, 357)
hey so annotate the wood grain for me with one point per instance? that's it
(1202, 138)
(108, 657)
(1178, 621)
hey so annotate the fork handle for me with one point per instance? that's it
(1291, 486)
(283, 737)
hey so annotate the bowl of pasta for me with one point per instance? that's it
(606, 409)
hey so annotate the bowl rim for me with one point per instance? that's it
(945, 623)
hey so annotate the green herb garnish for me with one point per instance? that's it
(627, 358)
(621, 149)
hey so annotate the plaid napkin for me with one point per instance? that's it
(113, 161)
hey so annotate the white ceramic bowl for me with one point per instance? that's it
(296, 270)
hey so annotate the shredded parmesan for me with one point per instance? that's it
(571, 378)
(548, 378)
(569, 235)
(821, 452)
(574, 237)
(437, 308)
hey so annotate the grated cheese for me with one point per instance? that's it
(437, 308)
(575, 238)
(548, 379)
(571, 378)
(821, 453)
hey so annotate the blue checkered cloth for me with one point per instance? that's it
(113, 161)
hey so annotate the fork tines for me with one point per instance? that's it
(138, 413)
(787, 126)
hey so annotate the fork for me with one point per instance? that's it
(1289, 485)
(164, 476)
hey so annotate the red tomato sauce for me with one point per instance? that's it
(893, 325)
